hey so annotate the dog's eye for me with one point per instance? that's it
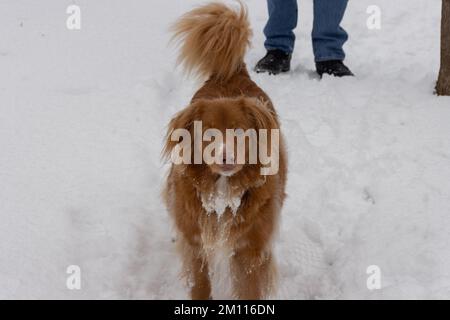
(239, 132)
(208, 134)
(211, 134)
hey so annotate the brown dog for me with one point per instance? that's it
(226, 207)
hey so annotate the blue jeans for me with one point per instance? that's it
(328, 37)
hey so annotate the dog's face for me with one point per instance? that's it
(222, 125)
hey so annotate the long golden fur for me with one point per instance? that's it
(214, 41)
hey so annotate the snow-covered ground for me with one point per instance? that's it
(82, 118)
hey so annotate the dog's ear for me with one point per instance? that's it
(182, 120)
(267, 126)
(262, 115)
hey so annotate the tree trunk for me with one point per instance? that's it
(443, 84)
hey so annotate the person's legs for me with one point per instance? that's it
(328, 36)
(279, 30)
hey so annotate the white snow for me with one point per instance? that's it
(82, 120)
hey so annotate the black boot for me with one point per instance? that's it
(275, 62)
(333, 67)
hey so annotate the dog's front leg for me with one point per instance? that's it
(252, 265)
(253, 273)
(196, 270)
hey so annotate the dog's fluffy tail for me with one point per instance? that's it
(214, 39)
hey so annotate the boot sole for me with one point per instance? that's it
(272, 73)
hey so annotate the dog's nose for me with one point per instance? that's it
(227, 157)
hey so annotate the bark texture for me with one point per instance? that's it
(443, 84)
